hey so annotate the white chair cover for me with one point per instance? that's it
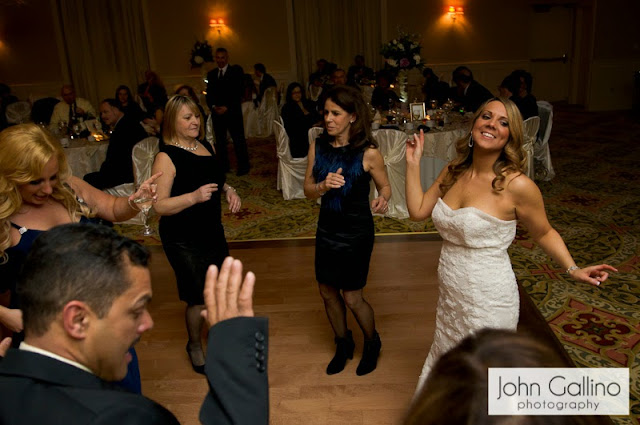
(291, 171)
(18, 112)
(393, 147)
(209, 133)
(258, 122)
(541, 152)
(530, 130)
(143, 155)
(313, 134)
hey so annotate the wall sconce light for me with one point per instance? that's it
(454, 12)
(217, 23)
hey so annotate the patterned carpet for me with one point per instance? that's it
(594, 202)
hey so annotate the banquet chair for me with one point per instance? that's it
(259, 121)
(541, 153)
(143, 155)
(291, 171)
(18, 112)
(42, 110)
(208, 132)
(530, 129)
(313, 134)
(393, 147)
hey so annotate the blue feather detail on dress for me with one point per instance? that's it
(328, 160)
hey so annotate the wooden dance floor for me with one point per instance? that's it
(402, 288)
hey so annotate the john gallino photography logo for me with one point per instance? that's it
(558, 391)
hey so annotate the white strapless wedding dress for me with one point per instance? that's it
(477, 286)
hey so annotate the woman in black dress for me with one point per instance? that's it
(189, 193)
(299, 115)
(342, 162)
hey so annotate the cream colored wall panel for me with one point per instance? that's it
(611, 85)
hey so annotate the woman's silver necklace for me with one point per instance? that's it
(187, 148)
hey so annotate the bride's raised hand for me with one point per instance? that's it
(415, 147)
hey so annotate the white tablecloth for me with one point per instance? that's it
(439, 149)
(84, 156)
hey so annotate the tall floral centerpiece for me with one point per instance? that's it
(402, 54)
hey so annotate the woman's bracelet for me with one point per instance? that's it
(132, 205)
(228, 189)
(318, 189)
(572, 268)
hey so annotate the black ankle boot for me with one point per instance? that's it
(370, 354)
(344, 351)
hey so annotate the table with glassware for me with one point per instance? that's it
(85, 156)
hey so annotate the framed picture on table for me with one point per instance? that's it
(417, 111)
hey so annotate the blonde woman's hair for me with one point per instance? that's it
(511, 160)
(171, 111)
(25, 149)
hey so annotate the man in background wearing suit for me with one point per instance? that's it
(266, 80)
(224, 97)
(117, 167)
(469, 93)
(84, 292)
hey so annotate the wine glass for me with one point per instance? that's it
(77, 129)
(144, 202)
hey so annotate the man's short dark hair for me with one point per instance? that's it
(113, 103)
(84, 262)
(221, 50)
(462, 73)
(260, 68)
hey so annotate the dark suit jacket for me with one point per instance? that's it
(39, 390)
(117, 167)
(476, 95)
(227, 91)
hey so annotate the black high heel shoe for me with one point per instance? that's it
(344, 351)
(370, 354)
(196, 368)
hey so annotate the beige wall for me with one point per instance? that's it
(258, 31)
(28, 50)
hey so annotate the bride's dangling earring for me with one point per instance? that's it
(470, 144)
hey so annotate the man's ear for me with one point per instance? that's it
(76, 317)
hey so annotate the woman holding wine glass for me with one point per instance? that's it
(38, 192)
(189, 203)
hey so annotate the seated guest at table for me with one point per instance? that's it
(71, 108)
(127, 104)
(468, 93)
(154, 97)
(6, 98)
(185, 90)
(433, 88)
(299, 115)
(85, 291)
(314, 93)
(323, 71)
(383, 97)
(38, 192)
(456, 391)
(359, 73)
(265, 80)
(117, 167)
(526, 102)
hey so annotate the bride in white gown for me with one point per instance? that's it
(475, 204)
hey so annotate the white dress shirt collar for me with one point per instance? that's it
(27, 347)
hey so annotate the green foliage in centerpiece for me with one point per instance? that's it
(202, 52)
(403, 52)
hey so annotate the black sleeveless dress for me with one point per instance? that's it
(344, 238)
(194, 238)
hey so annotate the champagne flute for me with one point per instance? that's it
(144, 202)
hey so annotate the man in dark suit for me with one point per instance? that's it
(84, 292)
(224, 97)
(469, 93)
(266, 80)
(117, 167)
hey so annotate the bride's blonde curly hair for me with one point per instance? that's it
(25, 149)
(511, 160)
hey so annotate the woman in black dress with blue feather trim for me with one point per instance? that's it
(342, 162)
